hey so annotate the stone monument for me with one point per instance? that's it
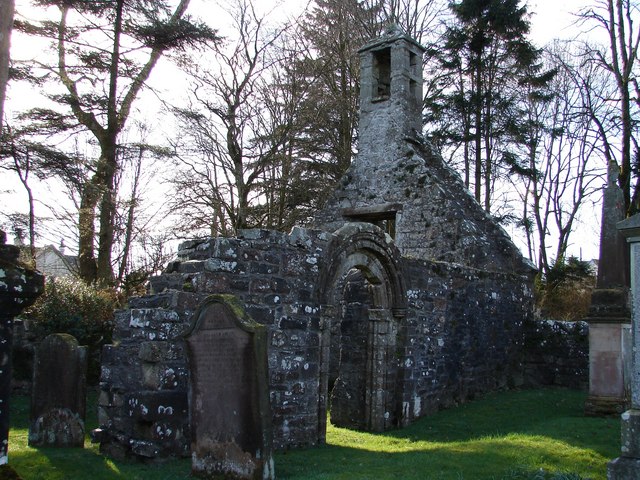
(19, 288)
(627, 465)
(609, 316)
(229, 400)
(58, 399)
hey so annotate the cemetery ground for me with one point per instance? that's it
(515, 435)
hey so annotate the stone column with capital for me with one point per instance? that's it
(19, 288)
(627, 465)
(609, 316)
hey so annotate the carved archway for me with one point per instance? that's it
(363, 294)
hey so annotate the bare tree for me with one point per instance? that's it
(421, 19)
(564, 154)
(137, 212)
(231, 127)
(618, 18)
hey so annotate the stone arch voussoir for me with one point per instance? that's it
(366, 247)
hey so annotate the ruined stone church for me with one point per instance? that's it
(404, 297)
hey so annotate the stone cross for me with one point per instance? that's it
(58, 397)
(229, 409)
(627, 465)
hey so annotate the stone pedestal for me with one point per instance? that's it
(627, 466)
(19, 287)
(609, 315)
(608, 320)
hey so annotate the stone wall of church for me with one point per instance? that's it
(461, 337)
(465, 332)
(143, 401)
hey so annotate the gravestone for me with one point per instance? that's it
(229, 410)
(58, 399)
(627, 465)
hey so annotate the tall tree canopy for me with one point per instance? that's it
(619, 59)
(489, 60)
(104, 53)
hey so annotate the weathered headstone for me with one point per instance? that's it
(230, 416)
(19, 288)
(58, 399)
(627, 465)
(609, 315)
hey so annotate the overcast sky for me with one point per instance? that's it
(550, 19)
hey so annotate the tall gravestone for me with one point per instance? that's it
(627, 465)
(609, 315)
(230, 415)
(58, 398)
(19, 288)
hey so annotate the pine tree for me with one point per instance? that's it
(104, 54)
(490, 62)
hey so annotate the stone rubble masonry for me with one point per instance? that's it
(19, 288)
(462, 336)
(436, 304)
(556, 354)
(438, 219)
(398, 177)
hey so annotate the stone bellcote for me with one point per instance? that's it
(390, 90)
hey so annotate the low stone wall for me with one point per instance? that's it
(556, 354)
(143, 404)
(466, 335)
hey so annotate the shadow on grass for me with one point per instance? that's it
(557, 413)
(78, 463)
(507, 435)
(504, 436)
(88, 463)
(498, 461)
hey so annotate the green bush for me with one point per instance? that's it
(564, 293)
(84, 311)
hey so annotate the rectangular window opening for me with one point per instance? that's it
(413, 62)
(382, 74)
(383, 216)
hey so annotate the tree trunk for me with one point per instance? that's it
(109, 159)
(128, 234)
(6, 24)
(478, 133)
(625, 169)
(86, 232)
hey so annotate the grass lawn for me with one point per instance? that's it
(532, 435)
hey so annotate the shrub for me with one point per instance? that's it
(565, 292)
(84, 311)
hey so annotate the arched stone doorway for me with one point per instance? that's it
(364, 303)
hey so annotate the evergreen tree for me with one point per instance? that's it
(334, 30)
(104, 54)
(490, 62)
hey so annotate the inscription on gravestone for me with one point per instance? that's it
(229, 403)
(58, 400)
